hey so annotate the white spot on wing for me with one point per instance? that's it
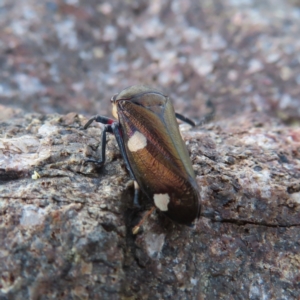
(137, 142)
(161, 201)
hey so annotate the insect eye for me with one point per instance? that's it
(113, 98)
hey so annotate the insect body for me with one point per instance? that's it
(154, 152)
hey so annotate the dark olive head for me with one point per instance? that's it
(134, 92)
(140, 95)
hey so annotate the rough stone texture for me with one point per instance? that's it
(65, 226)
(67, 234)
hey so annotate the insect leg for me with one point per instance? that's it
(112, 127)
(118, 134)
(209, 116)
(185, 119)
(137, 227)
(206, 118)
(99, 119)
(136, 194)
(107, 128)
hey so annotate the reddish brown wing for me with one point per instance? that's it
(156, 161)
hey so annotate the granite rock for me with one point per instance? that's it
(66, 225)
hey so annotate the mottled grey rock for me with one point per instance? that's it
(66, 226)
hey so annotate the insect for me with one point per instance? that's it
(155, 155)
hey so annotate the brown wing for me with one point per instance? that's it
(153, 151)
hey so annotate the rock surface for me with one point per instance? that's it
(66, 226)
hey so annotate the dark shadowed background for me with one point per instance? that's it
(72, 56)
